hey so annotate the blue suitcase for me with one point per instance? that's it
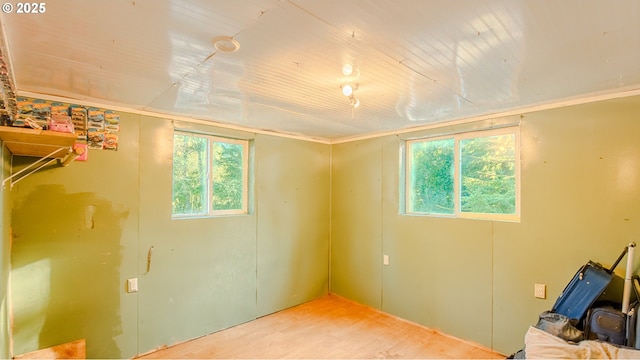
(584, 289)
(606, 323)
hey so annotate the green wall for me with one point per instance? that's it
(471, 278)
(81, 231)
(293, 222)
(356, 203)
(5, 261)
(580, 192)
(75, 235)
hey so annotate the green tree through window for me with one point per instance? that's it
(228, 179)
(189, 174)
(488, 175)
(209, 175)
(432, 176)
(484, 173)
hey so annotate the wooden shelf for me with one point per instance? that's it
(37, 143)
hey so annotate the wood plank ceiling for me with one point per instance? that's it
(415, 62)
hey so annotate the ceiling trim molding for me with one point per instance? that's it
(578, 100)
(143, 112)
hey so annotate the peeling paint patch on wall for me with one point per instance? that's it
(66, 259)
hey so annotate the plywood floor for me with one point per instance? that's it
(328, 328)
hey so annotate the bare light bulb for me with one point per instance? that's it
(347, 69)
(347, 90)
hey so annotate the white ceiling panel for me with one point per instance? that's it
(415, 62)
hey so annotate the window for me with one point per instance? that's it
(474, 175)
(210, 175)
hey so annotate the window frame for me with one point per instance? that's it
(210, 212)
(457, 165)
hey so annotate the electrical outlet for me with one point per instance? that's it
(540, 291)
(132, 285)
(385, 260)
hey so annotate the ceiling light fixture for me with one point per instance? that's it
(347, 69)
(348, 89)
(226, 44)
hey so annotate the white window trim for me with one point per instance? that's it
(245, 177)
(515, 130)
